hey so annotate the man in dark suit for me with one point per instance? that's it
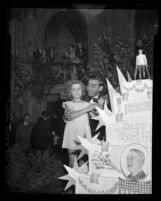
(135, 161)
(37, 54)
(23, 133)
(96, 93)
(41, 137)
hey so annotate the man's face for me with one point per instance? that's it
(133, 163)
(93, 88)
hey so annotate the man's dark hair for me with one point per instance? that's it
(97, 77)
(102, 82)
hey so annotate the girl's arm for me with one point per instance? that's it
(70, 115)
(100, 104)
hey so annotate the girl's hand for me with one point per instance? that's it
(91, 107)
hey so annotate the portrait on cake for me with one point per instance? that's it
(135, 162)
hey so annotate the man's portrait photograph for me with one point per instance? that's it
(135, 162)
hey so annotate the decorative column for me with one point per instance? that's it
(31, 35)
(16, 33)
(91, 13)
(132, 25)
(95, 27)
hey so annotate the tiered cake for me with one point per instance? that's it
(128, 128)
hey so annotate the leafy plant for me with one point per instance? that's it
(36, 172)
(21, 78)
(109, 52)
(17, 167)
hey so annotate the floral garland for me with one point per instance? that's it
(138, 90)
(111, 190)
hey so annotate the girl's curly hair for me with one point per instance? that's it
(69, 87)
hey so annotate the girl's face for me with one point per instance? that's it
(76, 91)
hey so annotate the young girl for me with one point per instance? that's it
(79, 122)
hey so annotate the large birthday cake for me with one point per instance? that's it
(126, 166)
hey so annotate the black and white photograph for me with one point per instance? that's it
(80, 82)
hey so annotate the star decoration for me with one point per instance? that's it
(112, 93)
(73, 173)
(83, 152)
(71, 176)
(100, 124)
(103, 115)
(85, 147)
(107, 110)
(82, 169)
(84, 142)
(94, 139)
(129, 78)
(121, 79)
(71, 181)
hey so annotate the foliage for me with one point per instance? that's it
(17, 167)
(109, 52)
(35, 76)
(36, 172)
(21, 78)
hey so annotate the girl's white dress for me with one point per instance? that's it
(78, 126)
